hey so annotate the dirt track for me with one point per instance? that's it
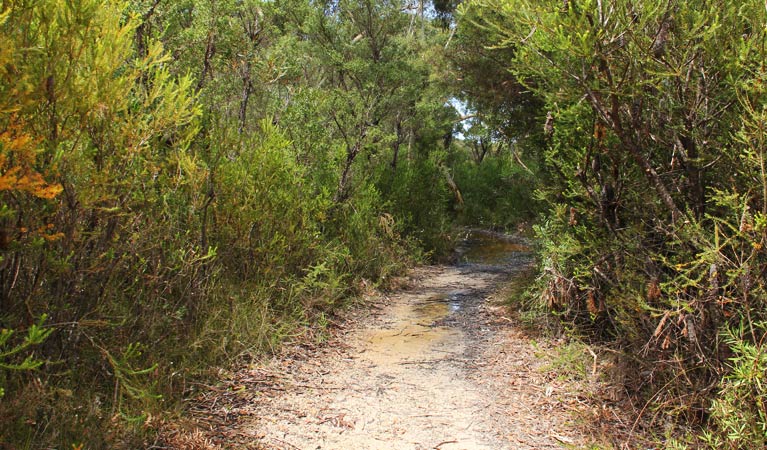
(434, 366)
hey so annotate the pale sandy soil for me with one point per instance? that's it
(437, 365)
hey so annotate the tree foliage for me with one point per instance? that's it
(652, 119)
(184, 184)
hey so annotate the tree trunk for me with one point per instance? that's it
(210, 50)
(142, 31)
(652, 177)
(612, 119)
(698, 194)
(247, 89)
(453, 187)
(396, 147)
(342, 193)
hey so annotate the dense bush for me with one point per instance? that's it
(653, 122)
(154, 223)
(422, 202)
(497, 191)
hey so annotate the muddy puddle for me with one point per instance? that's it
(489, 248)
(415, 329)
(426, 370)
(426, 323)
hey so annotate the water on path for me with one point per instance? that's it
(431, 370)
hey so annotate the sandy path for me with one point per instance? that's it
(434, 367)
(400, 384)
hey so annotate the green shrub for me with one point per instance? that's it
(418, 198)
(740, 410)
(655, 241)
(497, 192)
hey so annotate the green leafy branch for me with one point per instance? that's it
(36, 334)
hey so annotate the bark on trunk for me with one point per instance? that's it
(247, 89)
(453, 186)
(694, 175)
(210, 51)
(396, 147)
(342, 193)
(652, 177)
(612, 118)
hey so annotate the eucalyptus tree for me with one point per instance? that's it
(369, 76)
(479, 75)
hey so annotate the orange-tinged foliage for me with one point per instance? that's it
(18, 151)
